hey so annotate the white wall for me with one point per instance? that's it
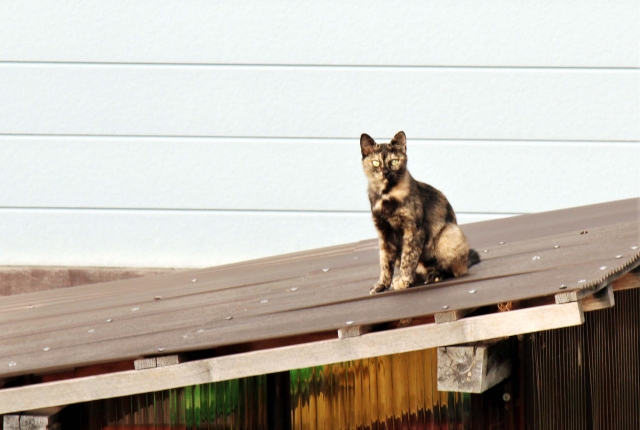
(194, 133)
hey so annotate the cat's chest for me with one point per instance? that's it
(391, 210)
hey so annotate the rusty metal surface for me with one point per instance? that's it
(309, 292)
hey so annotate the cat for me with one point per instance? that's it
(417, 227)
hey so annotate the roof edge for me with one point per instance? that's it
(291, 357)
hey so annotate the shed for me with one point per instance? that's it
(296, 341)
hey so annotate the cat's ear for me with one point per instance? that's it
(399, 141)
(367, 144)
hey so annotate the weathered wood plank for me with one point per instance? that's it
(603, 299)
(473, 368)
(39, 419)
(627, 281)
(164, 360)
(11, 422)
(353, 331)
(455, 315)
(145, 363)
(170, 360)
(285, 358)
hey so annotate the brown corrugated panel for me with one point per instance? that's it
(587, 377)
(309, 292)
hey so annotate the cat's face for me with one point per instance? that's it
(384, 163)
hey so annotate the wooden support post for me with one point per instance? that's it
(40, 419)
(473, 368)
(443, 317)
(354, 331)
(151, 362)
(603, 299)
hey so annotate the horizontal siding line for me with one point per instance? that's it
(314, 138)
(323, 66)
(213, 211)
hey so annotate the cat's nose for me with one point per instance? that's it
(385, 172)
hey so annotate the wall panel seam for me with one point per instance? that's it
(311, 65)
(313, 138)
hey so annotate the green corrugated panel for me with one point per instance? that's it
(228, 405)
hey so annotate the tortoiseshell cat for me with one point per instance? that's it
(416, 225)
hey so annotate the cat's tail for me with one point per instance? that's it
(474, 258)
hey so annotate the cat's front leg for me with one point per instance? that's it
(388, 253)
(412, 243)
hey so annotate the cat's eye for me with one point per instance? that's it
(375, 163)
(394, 162)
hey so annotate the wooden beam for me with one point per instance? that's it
(473, 368)
(627, 281)
(444, 317)
(170, 360)
(262, 362)
(354, 331)
(603, 299)
(40, 419)
(145, 363)
(164, 360)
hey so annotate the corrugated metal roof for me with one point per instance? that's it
(319, 291)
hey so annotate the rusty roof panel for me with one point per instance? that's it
(309, 292)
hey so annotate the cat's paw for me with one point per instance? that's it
(400, 284)
(378, 288)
